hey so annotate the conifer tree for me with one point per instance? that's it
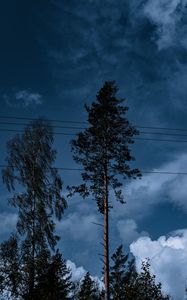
(54, 281)
(89, 289)
(126, 283)
(103, 150)
(35, 188)
(146, 286)
(118, 274)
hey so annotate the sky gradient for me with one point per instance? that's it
(54, 57)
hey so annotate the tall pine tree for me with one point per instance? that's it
(103, 150)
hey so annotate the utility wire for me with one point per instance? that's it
(161, 128)
(73, 134)
(84, 122)
(51, 120)
(54, 126)
(80, 128)
(143, 172)
(159, 140)
(21, 131)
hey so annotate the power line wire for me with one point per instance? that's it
(73, 134)
(85, 122)
(143, 172)
(51, 120)
(54, 126)
(159, 140)
(80, 128)
(163, 133)
(21, 131)
(161, 128)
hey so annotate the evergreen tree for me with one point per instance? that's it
(54, 283)
(89, 289)
(146, 286)
(126, 283)
(130, 286)
(103, 150)
(118, 274)
(37, 195)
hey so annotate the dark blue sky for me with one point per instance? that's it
(54, 57)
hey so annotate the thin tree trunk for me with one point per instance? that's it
(32, 270)
(106, 239)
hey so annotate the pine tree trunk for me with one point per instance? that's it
(106, 239)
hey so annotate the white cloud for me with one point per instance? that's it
(168, 256)
(7, 222)
(142, 195)
(128, 231)
(23, 98)
(79, 226)
(78, 273)
(28, 98)
(165, 14)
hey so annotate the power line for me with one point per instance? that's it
(21, 131)
(161, 128)
(80, 128)
(159, 140)
(54, 126)
(73, 134)
(163, 133)
(143, 172)
(51, 120)
(85, 122)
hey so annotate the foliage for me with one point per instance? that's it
(54, 283)
(89, 289)
(36, 188)
(103, 148)
(10, 267)
(118, 274)
(126, 283)
(146, 286)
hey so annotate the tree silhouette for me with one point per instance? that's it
(10, 270)
(146, 286)
(103, 150)
(118, 274)
(54, 280)
(36, 188)
(89, 289)
(126, 283)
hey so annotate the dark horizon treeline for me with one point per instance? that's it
(53, 279)
(31, 265)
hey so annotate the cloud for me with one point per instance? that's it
(128, 231)
(168, 256)
(79, 226)
(28, 98)
(79, 272)
(143, 195)
(23, 98)
(166, 15)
